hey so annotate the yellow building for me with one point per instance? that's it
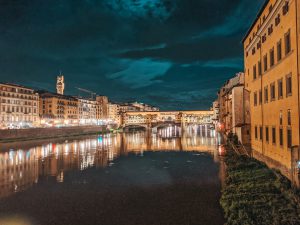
(57, 110)
(18, 106)
(271, 56)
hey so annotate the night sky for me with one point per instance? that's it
(174, 54)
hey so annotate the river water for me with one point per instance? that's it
(115, 179)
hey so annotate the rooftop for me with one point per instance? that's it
(16, 85)
(256, 19)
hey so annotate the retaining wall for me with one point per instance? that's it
(44, 133)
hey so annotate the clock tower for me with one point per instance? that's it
(60, 84)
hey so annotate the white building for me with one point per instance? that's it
(87, 111)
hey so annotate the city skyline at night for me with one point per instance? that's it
(172, 54)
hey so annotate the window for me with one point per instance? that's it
(253, 51)
(260, 97)
(289, 122)
(277, 20)
(270, 30)
(264, 38)
(256, 136)
(281, 136)
(273, 135)
(272, 87)
(260, 133)
(255, 98)
(280, 90)
(258, 45)
(254, 72)
(259, 68)
(285, 8)
(289, 138)
(270, 8)
(272, 61)
(267, 134)
(265, 63)
(279, 51)
(287, 41)
(289, 85)
(266, 95)
(280, 117)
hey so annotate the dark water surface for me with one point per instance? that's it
(126, 179)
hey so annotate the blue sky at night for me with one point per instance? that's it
(171, 53)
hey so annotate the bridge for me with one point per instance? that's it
(154, 120)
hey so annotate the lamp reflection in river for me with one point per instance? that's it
(20, 168)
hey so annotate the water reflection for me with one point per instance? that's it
(22, 168)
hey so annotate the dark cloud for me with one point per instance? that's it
(171, 53)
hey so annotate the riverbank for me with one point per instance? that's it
(7, 136)
(256, 194)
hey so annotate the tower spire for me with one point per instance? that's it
(60, 83)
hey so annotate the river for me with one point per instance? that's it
(140, 178)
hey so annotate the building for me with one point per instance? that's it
(58, 110)
(114, 115)
(102, 107)
(19, 106)
(87, 109)
(234, 109)
(137, 107)
(144, 107)
(216, 110)
(271, 55)
(60, 84)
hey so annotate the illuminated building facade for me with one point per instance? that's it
(87, 110)
(58, 110)
(114, 113)
(102, 107)
(19, 106)
(152, 119)
(60, 85)
(271, 55)
(234, 108)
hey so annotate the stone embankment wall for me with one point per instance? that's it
(44, 133)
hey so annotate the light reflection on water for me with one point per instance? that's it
(22, 168)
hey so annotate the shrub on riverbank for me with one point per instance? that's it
(255, 194)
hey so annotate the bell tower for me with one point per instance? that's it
(60, 84)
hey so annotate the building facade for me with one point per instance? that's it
(102, 107)
(58, 110)
(234, 108)
(114, 115)
(19, 106)
(87, 110)
(137, 107)
(271, 55)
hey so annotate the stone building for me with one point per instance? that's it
(137, 107)
(58, 110)
(87, 111)
(19, 106)
(271, 55)
(114, 114)
(234, 111)
(102, 107)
